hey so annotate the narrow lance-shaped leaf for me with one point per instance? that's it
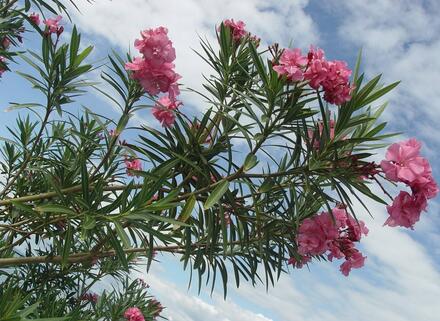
(250, 162)
(216, 194)
(187, 209)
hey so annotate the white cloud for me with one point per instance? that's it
(183, 306)
(120, 21)
(400, 39)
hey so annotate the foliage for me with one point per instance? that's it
(226, 191)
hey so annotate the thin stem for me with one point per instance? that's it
(68, 190)
(89, 256)
(78, 188)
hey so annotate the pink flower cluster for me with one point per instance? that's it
(6, 43)
(52, 25)
(155, 71)
(164, 110)
(35, 18)
(134, 164)
(333, 76)
(292, 64)
(239, 32)
(134, 314)
(237, 28)
(334, 236)
(403, 163)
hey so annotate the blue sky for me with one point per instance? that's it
(399, 38)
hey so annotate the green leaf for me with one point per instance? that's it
(119, 250)
(55, 208)
(167, 220)
(267, 185)
(357, 67)
(187, 209)
(51, 319)
(216, 194)
(83, 55)
(122, 235)
(89, 222)
(250, 162)
(23, 207)
(377, 94)
(24, 313)
(66, 247)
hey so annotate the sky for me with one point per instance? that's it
(401, 40)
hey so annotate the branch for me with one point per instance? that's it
(67, 190)
(78, 188)
(89, 256)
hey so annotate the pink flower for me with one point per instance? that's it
(316, 233)
(156, 47)
(332, 234)
(336, 85)
(134, 164)
(154, 80)
(164, 110)
(53, 25)
(316, 71)
(237, 28)
(425, 186)
(161, 80)
(35, 18)
(403, 162)
(355, 229)
(355, 260)
(333, 76)
(155, 70)
(331, 127)
(2, 69)
(6, 43)
(405, 210)
(291, 64)
(134, 314)
(337, 247)
(173, 90)
(311, 238)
